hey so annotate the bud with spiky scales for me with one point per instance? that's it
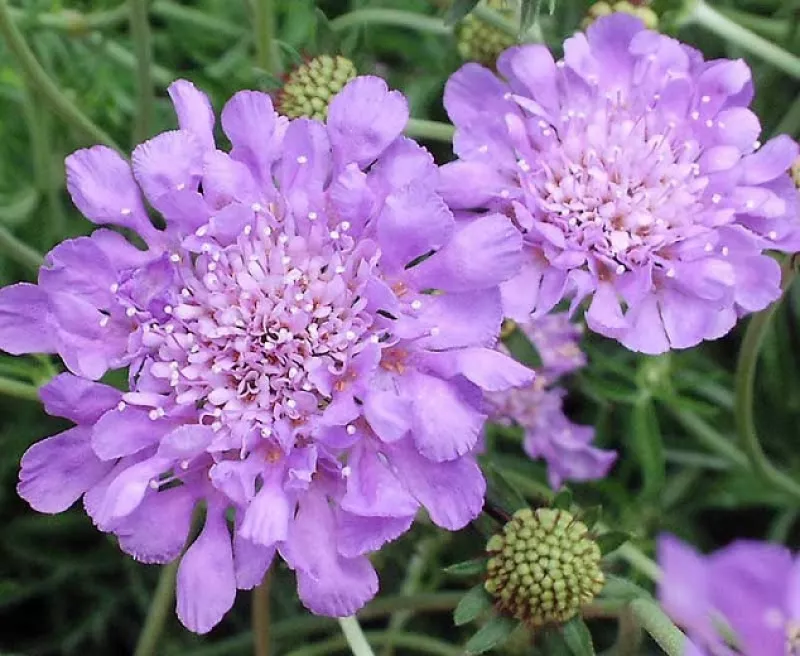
(481, 42)
(311, 86)
(543, 567)
(634, 8)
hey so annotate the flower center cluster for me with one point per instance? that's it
(543, 567)
(616, 181)
(261, 327)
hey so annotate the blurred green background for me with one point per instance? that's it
(66, 589)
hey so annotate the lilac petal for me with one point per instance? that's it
(444, 425)
(127, 489)
(184, 210)
(387, 412)
(414, 222)
(351, 198)
(532, 70)
(157, 530)
(305, 162)
(364, 118)
(78, 399)
(646, 332)
(80, 267)
(372, 489)
(519, 293)
(24, 320)
(468, 184)
(460, 320)
(123, 432)
(482, 253)
(206, 578)
(267, 518)
(119, 250)
(226, 180)
(605, 313)
(470, 91)
(404, 162)
(758, 282)
(328, 583)
(185, 442)
(750, 591)
(358, 535)
(770, 161)
(686, 319)
(452, 492)
(252, 125)
(195, 114)
(55, 472)
(684, 586)
(171, 161)
(251, 562)
(610, 41)
(793, 586)
(488, 368)
(102, 187)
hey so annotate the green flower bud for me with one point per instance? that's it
(481, 42)
(638, 9)
(310, 87)
(547, 583)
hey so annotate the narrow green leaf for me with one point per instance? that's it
(563, 500)
(578, 637)
(325, 39)
(591, 515)
(472, 604)
(648, 446)
(466, 568)
(495, 632)
(611, 541)
(501, 492)
(459, 10)
(528, 15)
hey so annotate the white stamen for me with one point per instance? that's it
(725, 250)
(291, 403)
(104, 322)
(201, 231)
(167, 309)
(416, 305)
(153, 414)
(705, 99)
(256, 207)
(351, 430)
(716, 199)
(302, 159)
(671, 273)
(114, 288)
(334, 234)
(130, 311)
(350, 335)
(125, 211)
(312, 216)
(772, 235)
(435, 331)
(344, 226)
(121, 406)
(248, 230)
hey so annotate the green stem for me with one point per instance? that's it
(354, 636)
(489, 15)
(653, 620)
(18, 250)
(706, 16)
(160, 611)
(195, 19)
(261, 617)
(73, 21)
(745, 384)
(126, 58)
(396, 17)
(411, 641)
(707, 435)
(38, 78)
(769, 28)
(423, 129)
(790, 123)
(18, 390)
(142, 47)
(267, 53)
(629, 635)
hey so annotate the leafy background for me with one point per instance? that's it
(66, 589)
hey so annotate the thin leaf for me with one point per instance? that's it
(591, 515)
(495, 632)
(563, 500)
(578, 637)
(648, 446)
(466, 568)
(459, 10)
(528, 15)
(501, 492)
(472, 604)
(612, 541)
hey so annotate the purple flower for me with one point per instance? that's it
(751, 589)
(538, 408)
(632, 168)
(307, 340)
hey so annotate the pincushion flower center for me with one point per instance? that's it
(615, 181)
(261, 324)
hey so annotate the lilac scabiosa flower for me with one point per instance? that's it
(307, 340)
(537, 408)
(747, 593)
(633, 169)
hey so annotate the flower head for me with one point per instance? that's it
(632, 168)
(537, 408)
(749, 589)
(309, 88)
(307, 343)
(482, 42)
(543, 567)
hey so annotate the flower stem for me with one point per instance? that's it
(414, 642)
(18, 250)
(71, 20)
(396, 17)
(745, 384)
(653, 620)
(18, 390)
(160, 611)
(424, 129)
(714, 21)
(355, 637)
(261, 617)
(38, 78)
(267, 54)
(142, 46)
(195, 19)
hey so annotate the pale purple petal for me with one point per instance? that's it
(78, 399)
(195, 114)
(358, 535)
(24, 320)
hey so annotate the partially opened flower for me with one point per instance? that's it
(634, 171)
(537, 408)
(743, 599)
(307, 340)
